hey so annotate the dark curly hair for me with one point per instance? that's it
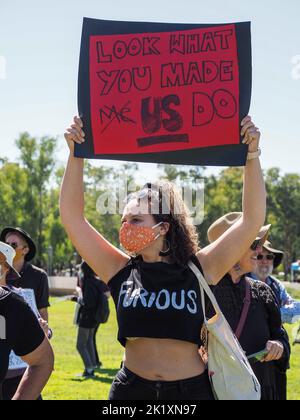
(182, 236)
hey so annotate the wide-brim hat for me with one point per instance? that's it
(31, 245)
(221, 225)
(277, 254)
(8, 254)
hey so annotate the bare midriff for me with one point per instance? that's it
(163, 359)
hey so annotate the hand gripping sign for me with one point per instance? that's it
(164, 93)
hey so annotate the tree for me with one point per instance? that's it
(38, 160)
(223, 194)
(13, 185)
(283, 213)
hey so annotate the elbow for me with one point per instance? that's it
(71, 211)
(69, 218)
(63, 212)
(64, 217)
(49, 363)
(260, 217)
(256, 215)
(255, 222)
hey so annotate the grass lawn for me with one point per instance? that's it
(64, 385)
(294, 372)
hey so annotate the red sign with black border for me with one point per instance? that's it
(164, 93)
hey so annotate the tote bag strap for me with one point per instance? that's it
(245, 311)
(204, 287)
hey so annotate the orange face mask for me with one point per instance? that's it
(136, 238)
(19, 255)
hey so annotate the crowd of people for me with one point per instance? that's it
(157, 296)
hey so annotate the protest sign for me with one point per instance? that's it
(164, 93)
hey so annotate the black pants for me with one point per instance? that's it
(95, 345)
(129, 386)
(281, 385)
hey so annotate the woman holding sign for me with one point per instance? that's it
(156, 294)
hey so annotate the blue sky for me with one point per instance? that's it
(40, 43)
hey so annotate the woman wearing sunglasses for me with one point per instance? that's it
(251, 309)
(157, 296)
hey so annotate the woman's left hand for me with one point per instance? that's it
(250, 133)
(275, 351)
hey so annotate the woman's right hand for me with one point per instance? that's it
(275, 351)
(75, 134)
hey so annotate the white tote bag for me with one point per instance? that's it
(230, 373)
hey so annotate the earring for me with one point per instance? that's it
(237, 267)
(167, 252)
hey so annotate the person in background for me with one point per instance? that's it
(17, 367)
(104, 290)
(267, 261)
(259, 328)
(31, 277)
(20, 332)
(88, 320)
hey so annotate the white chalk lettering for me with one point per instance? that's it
(191, 309)
(162, 300)
(167, 302)
(182, 301)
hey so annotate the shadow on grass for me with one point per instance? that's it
(110, 375)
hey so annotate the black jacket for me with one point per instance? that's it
(92, 289)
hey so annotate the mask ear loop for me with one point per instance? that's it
(155, 226)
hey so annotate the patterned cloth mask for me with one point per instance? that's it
(19, 255)
(136, 238)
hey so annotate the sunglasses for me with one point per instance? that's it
(15, 245)
(256, 244)
(269, 257)
(142, 194)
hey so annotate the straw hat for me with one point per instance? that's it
(221, 225)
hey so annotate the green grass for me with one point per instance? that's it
(294, 292)
(64, 385)
(294, 372)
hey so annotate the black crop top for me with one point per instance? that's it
(157, 300)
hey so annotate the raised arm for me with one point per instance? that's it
(219, 257)
(104, 258)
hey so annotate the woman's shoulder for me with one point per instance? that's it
(194, 258)
(130, 265)
(14, 307)
(261, 291)
(8, 295)
(4, 293)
